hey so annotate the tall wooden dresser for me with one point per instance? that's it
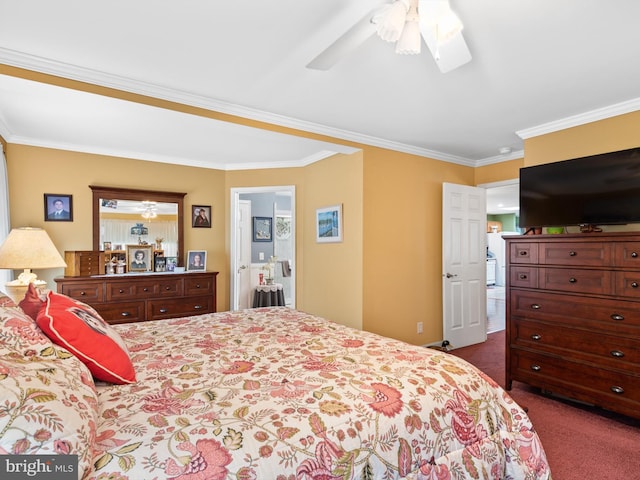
(573, 317)
(138, 297)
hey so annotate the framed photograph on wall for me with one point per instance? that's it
(329, 224)
(196, 260)
(262, 229)
(139, 258)
(58, 207)
(201, 216)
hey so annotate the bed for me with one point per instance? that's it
(267, 393)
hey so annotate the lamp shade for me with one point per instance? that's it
(29, 248)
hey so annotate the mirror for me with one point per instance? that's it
(124, 216)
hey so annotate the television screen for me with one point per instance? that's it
(596, 190)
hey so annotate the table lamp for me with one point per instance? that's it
(27, 248)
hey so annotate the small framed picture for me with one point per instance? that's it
(201, 216)
(58, 207)
(140, 258)
(262, 229)
(196, 260)
(170, 263)
(106, 246)
(329, 224)
(159, 264)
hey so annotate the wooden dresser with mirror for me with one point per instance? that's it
(139, 296)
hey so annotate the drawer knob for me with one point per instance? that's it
(535, 306)
(198, 307)
(634, 284)
(125, 314)
(167, 288)
(83, 293)
(536, 368)
(536, 337)
(572, 253)
(634, 254)
(197, 285)
(617, 389)
(617, 317)
(163, 310)
(617, 353)
(522, 276)
(121, 291)
(145, 289)
(523, 253)
(572, 280)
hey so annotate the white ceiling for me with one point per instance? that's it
(538, 66)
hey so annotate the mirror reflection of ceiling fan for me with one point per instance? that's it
(405, 22)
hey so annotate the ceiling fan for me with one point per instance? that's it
(405, 22)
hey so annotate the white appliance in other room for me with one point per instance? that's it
(495, 245)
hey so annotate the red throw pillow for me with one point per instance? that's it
(80, 329)
(31, 303)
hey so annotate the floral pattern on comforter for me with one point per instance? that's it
(280, 394)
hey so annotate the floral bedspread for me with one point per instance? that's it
(276, 393)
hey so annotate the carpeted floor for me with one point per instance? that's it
(581, 442)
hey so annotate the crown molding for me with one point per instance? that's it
(581, 119)
(95, 77)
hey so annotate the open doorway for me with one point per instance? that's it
(503, 199)
(273, 251)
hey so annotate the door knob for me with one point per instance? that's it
(451, 275)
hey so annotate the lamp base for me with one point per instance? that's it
(17, 291)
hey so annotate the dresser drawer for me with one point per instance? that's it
(618, 317)
(87, 293)
(170, 287)
(627, 254)
(523, 252)
(179, 307)
(606, 350)
(576, 280)
(198, 285)
(580, 380)
(526, 277)
(132, 290)
(122, 312)
(588, 254)
(627, 284)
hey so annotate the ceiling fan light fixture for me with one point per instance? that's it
(390, 21)
(410, 40)
(448, 26)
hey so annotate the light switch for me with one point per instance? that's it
(261, 255)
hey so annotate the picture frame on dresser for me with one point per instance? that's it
(139, 258)
(196, 260)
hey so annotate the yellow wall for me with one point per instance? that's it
(498, 172)
(609, 135)
(403, 243)
(33, 171)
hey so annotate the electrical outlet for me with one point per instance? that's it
(419, 327)
(261, 255)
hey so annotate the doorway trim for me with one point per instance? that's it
(233, 258)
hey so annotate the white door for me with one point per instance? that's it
(243, 246)
(464, 260)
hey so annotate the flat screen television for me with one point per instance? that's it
(596, 190)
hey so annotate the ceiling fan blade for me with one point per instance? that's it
(343, 46)
(451, 53)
